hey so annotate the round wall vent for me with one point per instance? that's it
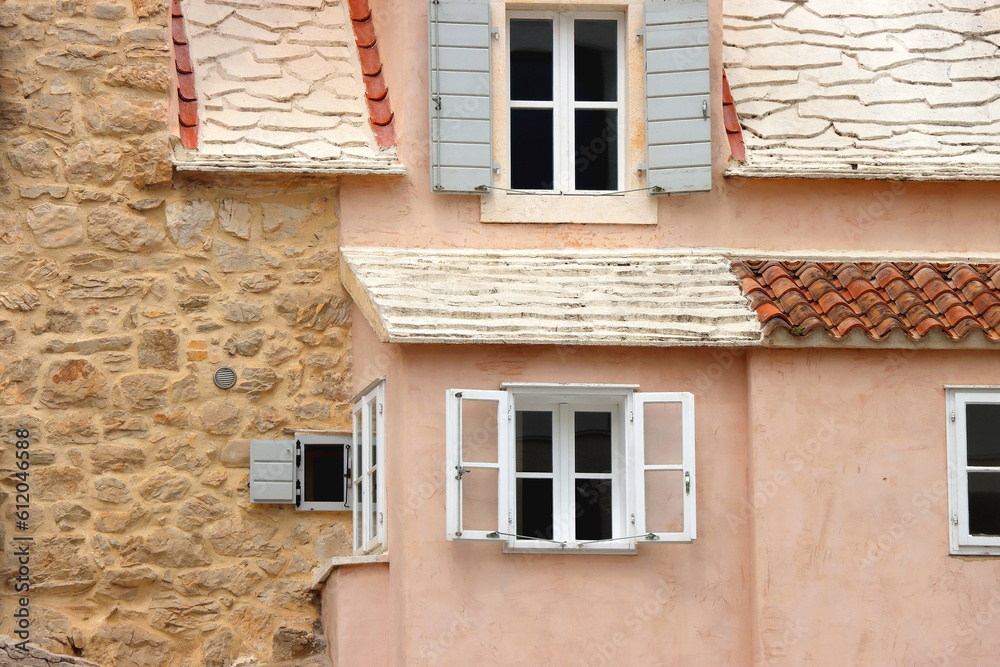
(225, 378)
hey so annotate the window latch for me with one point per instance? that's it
(687, 484)
(298, 493)
(461, 472)
(437, 102)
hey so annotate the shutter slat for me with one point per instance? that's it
(678, 123)
(461, 133)
(272, 471)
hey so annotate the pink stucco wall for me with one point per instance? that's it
(355, 614)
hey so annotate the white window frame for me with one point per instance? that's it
(369, 532)
(302, 441)
(628, 466)
(962, 542)
(563, 103)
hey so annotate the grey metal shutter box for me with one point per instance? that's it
(272, 471)
(461, 150)
(678, 104)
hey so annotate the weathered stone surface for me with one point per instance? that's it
(13, 113)
(236, 580)
(171, 613)
(59, 320)
(117, 115)
(34, 159)
(267, 417)
(279, 354)
(116, 458)
(147, 76)
(287, 593)
(220, 417)
(55, 226)
(217, 650)
(89, 346)
(119, 522)
(92, 162)
(109, 12)
(75, 57)
(145, 8)
(58, 482)
(19, 298)
(243, 311)
(283, 221)
(111, 490)
(69, 515)
(146, 204)
(199, 510)
(296, 643)
(164, 487)
(141, 391)
(54, 632)
(61, 566)
(36, 656)
(236, 454)
(257, 381)
(69, 31)
(241, 259)
(194, 303)
(259, 283)
(245, 344)
(254, 625)
(187, 221)
(100, 287)
(74, 383)
(122, 424)
(185, 389)
(158, 349)
(123, 584)
(234, 217)
(168, 547)
(309, 310)
(76, 428)
(126, 645)
(186, 452)
(314, 410)
(51, 112)
(153, 163)
(36, 191)
(240, 537)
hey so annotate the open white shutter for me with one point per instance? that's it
(665, 481)
(478, 451)
(461, 152)
(272, 471)
(678, 105)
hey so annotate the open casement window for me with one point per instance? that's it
(587, 469)
(311, 471)
(974, 469)
(367, 464)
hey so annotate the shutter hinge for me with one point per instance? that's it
(953, 415)
(510, 518)
(687, 483)
(437, 102)
(348, 477)
(954, 519)
(298, 493)
(509, 413)
(640, 33)
(631, 416)
(461, 472)
(495, 32)
(704, 113)
(641, 167)
(380, 408)
(298, 453)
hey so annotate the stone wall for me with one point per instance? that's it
(122, 290)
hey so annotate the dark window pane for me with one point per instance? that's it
(530, 59)
(534, 508)
(531, 149)
(596, 149)
(983, 433)
(984, 503)
(595, 51)
(323, 473)
(593, 509)
(593, 441)
(534, 441)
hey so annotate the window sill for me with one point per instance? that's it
(321, 573)
(628, 209)
(976, 551)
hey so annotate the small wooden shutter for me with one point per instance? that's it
(678, 105)
(478, 453)
(272, 471)
(665, 482)
(461, 151)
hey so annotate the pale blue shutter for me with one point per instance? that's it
(272, 471)
(461, 153)
(678, 125)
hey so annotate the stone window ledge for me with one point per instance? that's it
(245, 166)
(321, 573)
(627, 209)
(896, 171)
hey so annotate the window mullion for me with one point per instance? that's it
(564, 153)
(566, 510)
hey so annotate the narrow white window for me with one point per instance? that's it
(367, 464)
(974, 469)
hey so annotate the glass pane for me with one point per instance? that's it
(323, 473)
(596, 149)
(534, 508)
(531, 149)
(593, 441)
(593, 509)
(359, 534)
(984, 503)
(534, 441)
(479, 499)
(530, 59)
(663, 433)
(664, 501)
(983, 431)
(479, 431)
(596, 54)
(373, 485)
(372, 444)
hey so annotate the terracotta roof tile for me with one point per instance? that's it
(839, 297)
(187, 96)
(376, 90)
(732, 121)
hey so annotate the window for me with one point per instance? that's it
(312, 471)
(974, 469)
(566, 98)
(578, 468)
(367, 464)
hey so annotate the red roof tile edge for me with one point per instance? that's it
(376, 91)
(187, 96)
(732, 121)
(875, 297)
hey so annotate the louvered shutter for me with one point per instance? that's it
(272, 471)
(678, 125)
(461, 152)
